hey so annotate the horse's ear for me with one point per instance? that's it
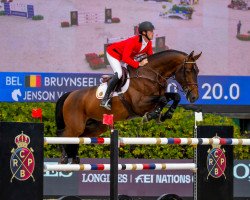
(196, 57)
(191, 54)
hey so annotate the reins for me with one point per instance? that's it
(159, 77)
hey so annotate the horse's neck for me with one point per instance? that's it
(167, 68)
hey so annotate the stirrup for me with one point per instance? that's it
(106, 104)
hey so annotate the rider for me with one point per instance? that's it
(125, 51)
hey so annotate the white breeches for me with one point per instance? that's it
(115, 65)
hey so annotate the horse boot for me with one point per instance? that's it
(156, 113)
(106, 101)
(176, 99)
(168, 114)
(153, 115)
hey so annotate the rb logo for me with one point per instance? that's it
(216, 161)
(22, 162)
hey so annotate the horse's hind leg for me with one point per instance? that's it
(71, 150)
(64, 156)
(94, 128)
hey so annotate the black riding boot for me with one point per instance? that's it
(106, 101)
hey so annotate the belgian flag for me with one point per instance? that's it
(33, 81)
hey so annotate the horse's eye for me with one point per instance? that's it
(196, 69)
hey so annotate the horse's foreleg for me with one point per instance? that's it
(163, 101)
(155, 114)
(171, 96)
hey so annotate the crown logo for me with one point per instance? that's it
(216, 145)
(22, 140)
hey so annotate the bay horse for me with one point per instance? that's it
(78, 113)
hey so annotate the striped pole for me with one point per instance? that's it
(147, 141)
(75, 140)
(186, 141)
(105, 167)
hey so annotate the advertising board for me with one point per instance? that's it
(148, 183)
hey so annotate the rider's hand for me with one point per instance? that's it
(143, 62)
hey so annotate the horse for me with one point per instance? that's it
(78, 113)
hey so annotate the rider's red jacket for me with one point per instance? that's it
(127, 49)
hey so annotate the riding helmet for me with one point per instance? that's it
(145, 26)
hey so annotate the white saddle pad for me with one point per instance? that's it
(100, 92)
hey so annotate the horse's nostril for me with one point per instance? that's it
(192, 99)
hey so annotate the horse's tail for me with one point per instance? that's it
(60, 125)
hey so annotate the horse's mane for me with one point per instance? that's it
(170, 51)
(158, 56)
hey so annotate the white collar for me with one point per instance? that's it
(144, 43)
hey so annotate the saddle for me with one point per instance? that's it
(125, 73)
(120, 88)
(122, 81)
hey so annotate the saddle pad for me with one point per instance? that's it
(100, 91)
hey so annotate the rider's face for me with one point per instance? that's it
(150, 34)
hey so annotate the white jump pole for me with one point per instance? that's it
(106, 167)
(148, 141)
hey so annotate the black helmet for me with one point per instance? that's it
(145, 26)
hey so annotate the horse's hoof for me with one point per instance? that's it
(145, 118)
(64, 160)
(76, 160)
(159, 121)
(149, 116)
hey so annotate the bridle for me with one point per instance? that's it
(184, 69)
(162, 81)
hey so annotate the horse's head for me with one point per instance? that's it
(186, 75)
